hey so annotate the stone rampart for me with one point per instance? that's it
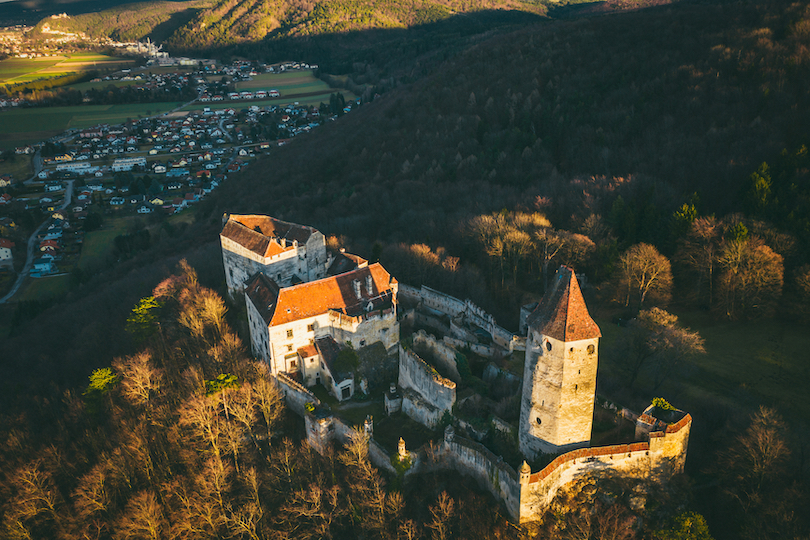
(491, 472)
(657, 460)
(323, 430)
(295, 394)
(426, 394)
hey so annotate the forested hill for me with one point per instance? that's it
(204, 25)
(607, 126)
(645, 127)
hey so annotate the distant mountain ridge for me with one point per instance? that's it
(205, 24)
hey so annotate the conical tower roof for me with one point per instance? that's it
(562, 313)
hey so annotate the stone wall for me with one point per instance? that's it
(426, 394)
(491, 472)
(295, 395)
(657, 460)
(323, 430)
(444, 355)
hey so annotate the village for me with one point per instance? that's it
(152, 167)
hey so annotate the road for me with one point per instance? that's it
(33, 245)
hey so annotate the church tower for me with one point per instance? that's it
(559, 375)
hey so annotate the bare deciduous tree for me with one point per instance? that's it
(140, 380)
(643, 274)
(442, 512)
(751, 276)
(143, 518)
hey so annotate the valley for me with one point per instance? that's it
(474, 149)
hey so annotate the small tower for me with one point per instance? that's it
(559, 375)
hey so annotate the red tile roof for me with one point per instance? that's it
(263, 234)
(562, 313)
(279, 306)
(5, 243)
(307, 351)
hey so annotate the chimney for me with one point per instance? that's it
(369, 285)
(356, 284)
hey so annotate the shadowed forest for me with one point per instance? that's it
(661, 152)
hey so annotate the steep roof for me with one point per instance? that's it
(329, 351)
(562, 313)
(279, 306)
(263, 292)
(263, 235)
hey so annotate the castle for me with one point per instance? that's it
(306, 307)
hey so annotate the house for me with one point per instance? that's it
(44, 266)
(5, 198)
(356, 308)
(117, 201)
(5, 250)
(160, 169)
(5, 180)
(145, 209)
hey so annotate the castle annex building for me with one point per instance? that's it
(286, 252)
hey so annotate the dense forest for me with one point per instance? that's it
(661, 152)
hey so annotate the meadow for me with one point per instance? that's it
(298, 86)
(19, 70)
(98, 245)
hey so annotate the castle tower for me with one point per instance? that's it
(559, 375)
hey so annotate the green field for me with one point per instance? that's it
(98, 245)
(19, 166)
(82, 87)
(43, 289)
(18, 70)
(746, 362)
(23, 126)
(300, 86)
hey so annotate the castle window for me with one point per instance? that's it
(571, 349)
(289, 333)
(591, 349)
(548, 345)
(289, 347)
(576, 387)
(362, 342)
(538, 420)
(310, 327)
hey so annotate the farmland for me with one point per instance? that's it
(300, 86)
(20, 70)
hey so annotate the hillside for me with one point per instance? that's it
(128, 22)
(561, 118)
(213, 24)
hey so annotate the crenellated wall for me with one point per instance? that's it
(295, 394)
(491, 472)
(426, 395)
(656, 460)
